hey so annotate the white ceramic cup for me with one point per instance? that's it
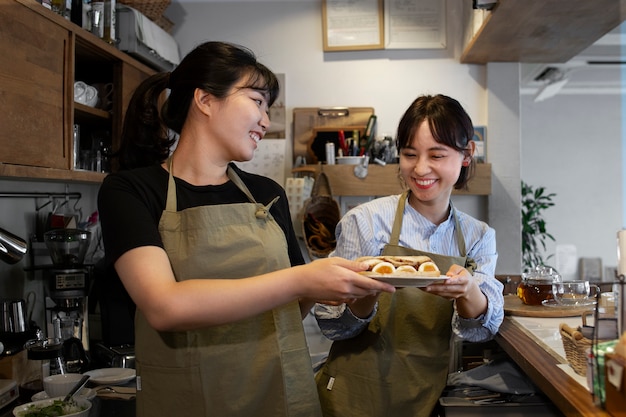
(85, 94)
(80, 88)
(571, 293)
(61, 384)
(91, 96)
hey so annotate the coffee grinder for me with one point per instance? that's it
(68, 284)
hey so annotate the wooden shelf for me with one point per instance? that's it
(47, 54)
(24, 172)
(541, 31)
(383, 180)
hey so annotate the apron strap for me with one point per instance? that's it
(394, 238)
(171, 204)
(457, 230)
(239, 183)
(262, 212)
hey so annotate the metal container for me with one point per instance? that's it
(13, 316)
(12, 248)
(67, 246)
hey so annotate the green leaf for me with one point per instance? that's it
(534, 230)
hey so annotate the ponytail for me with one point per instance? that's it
(214, 67)
(145, 138)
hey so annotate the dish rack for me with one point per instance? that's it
(576, 346)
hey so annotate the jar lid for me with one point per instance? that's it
(43, 349)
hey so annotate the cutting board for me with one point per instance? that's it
(513, 306)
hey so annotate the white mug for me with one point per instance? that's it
(85, 94)
(80, 89)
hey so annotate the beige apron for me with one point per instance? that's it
(255, 367)
(397, 366)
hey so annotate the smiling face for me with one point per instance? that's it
(239, 121)
(429, 168)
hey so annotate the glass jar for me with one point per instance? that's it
(536, 285)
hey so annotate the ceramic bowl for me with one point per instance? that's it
(60, 385)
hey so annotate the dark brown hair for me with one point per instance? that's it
(214, 67)
(449, 123)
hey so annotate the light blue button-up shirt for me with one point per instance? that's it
(366, 229)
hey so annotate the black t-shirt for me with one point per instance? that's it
(130, 204)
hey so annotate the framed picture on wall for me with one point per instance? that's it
(415, 24)
(349, 25)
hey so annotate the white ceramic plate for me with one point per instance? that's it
(407, 280)
(86, 393)
(111, 376)
(581, 304)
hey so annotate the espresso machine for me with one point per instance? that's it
(66, 301)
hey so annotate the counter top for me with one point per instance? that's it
(535, 345)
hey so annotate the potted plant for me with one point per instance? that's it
(534, 233)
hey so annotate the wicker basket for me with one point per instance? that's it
(575, 345)
(320, 216)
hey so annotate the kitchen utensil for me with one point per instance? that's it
(13, 316)
(12, 248)
(48, 353)
(77, 387)
(67, 246)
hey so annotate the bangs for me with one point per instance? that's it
(262, 79)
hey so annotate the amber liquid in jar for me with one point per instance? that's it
(533, 292)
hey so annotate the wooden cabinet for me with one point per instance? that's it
(43, 55)
(34, 113)
(541, 31)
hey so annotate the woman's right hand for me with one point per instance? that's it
(336, 280)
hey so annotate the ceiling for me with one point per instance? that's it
(599, 69)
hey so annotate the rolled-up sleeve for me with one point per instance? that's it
(486, 326)
(338, 322)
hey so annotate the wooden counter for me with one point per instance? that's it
(541, 366)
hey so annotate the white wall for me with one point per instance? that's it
(287, 37)
(564, 140)
(572, 145)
